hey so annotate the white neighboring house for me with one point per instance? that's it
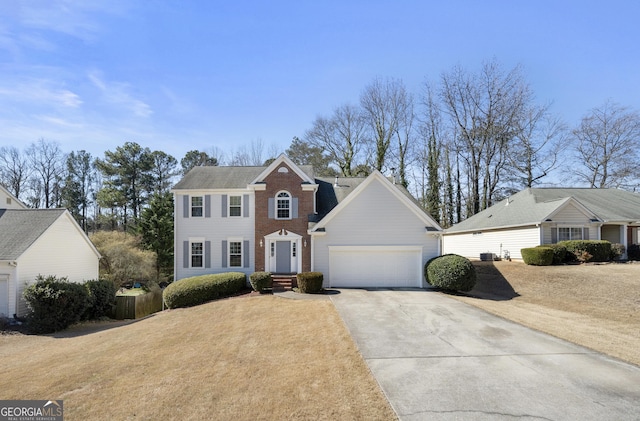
(39, 242)
(538, 216)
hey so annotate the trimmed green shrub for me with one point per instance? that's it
(260, 281)
(102, 298)
(197, 290)
(617, 251)
(451, 272)
(600, 250)
(537, 256)
(559, 253)
(633, 252)
(55, 304)
(310, 282)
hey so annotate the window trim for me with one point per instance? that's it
(288, 199)
(238, 206)
(570, 228)
(192, 206)
(192, 241)
(234, 240)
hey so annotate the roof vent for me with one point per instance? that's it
(335, 183)
(508, 201)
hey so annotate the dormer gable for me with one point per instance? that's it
(283, 164)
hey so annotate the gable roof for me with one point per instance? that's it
(305, 172)
(12, 197)
(215, 177)
(355, 186)
(19, 228)
(535, 205)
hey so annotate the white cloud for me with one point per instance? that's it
(40, 93)
(117, 93)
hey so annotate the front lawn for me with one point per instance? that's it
(593, 305)
(244, 358)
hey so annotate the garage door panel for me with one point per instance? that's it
(394, 266)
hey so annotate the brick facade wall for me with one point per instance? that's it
(275, 182)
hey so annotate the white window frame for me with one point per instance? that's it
(192, 242)
(193, 207)
(230, 242)
(288, 199)
(238, 206)
(570, 228)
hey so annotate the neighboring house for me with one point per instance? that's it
(39, 242)
(538, 216)
(282, 219)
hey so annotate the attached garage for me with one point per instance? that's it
(375, 266)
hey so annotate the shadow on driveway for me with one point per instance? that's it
(491, 285)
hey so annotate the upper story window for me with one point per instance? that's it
(235, 205)
(570, 233)
(283, 205)
(197, 206)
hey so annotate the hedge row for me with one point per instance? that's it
(538, 256)
(260, 281)
(55, 303)
(197, 290)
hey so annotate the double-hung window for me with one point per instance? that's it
(570, 233)
(283, 206)
(235, 254)
(235, 205)
(197, 206)
(197, 254)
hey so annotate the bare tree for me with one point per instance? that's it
(384, 103)
(537, 146)
(606, 145)
(342, 136)
(14, 170)
(48, 163)
(485, 109)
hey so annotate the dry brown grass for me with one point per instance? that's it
(593, 305)
(245, 358)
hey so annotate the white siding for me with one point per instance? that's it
(63, 251)
(471, 245)
(7, 201)
(373, 218)
(215, 229)
(9, 272)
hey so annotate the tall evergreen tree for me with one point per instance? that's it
(78, 185)
(433, 172)
(156, 230)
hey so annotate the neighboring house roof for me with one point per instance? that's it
(20, 228)
(535, 205)
(19, 204)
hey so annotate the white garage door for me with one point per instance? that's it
(375, 266)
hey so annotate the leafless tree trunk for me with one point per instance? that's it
(486, 110)
(14, 170)
(606, 146)
(47, 161)
(384, 103)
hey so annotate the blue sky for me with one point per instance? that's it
(182, 75)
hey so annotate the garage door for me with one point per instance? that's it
(375, 266)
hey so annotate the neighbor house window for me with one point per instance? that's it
(235, 253)
(283, 206)
(197, 206)
(570, 233)
(235, 205)
(197, 254)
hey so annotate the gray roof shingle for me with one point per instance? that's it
(19, 228)
(214, 177)
(533, 205)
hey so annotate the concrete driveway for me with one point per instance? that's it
(440, 359)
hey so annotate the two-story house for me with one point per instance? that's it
(281, 219)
